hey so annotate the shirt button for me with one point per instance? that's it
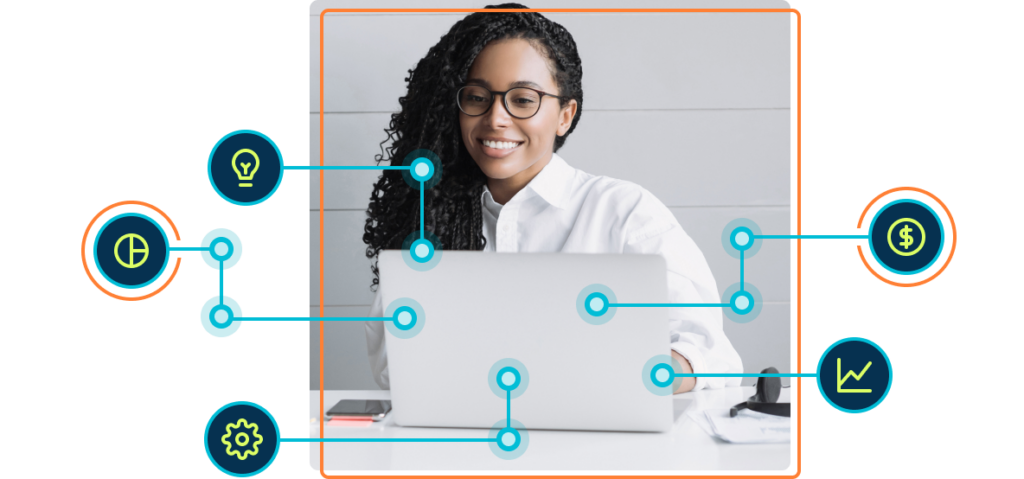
(504, 228)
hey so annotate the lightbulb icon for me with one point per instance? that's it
(246, 174)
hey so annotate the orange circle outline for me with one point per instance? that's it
(85, 236)
(951, 223)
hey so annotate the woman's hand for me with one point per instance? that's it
(688, 383)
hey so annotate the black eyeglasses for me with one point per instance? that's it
(520, 102)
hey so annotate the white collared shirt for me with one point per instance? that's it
(566, 210)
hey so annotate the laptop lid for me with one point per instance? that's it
(483, 311)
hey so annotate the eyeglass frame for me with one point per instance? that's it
(504, 100)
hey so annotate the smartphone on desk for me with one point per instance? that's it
(371, 408)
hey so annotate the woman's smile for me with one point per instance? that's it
(498, 148)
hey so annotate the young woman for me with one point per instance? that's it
(495, 99)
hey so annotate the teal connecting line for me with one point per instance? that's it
(303, 318)
(811, 236)
(220, 297)
(421, 210)
(188, 248)
(741, 270)
(347, 167)
(667, 305)
(388, 439)
(508, 408)
(744, 375)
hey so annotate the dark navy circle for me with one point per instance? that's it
(854, 354)
(227, 456)
(896, 240)
(141, 246)
(245, 167)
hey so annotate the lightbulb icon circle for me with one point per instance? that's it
(235, 161)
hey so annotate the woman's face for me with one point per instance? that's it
(503, 65)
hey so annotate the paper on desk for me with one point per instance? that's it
(747, 427)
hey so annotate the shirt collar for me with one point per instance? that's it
(552, 183)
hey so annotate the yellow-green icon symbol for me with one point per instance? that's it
(902, 248)
(245, 175)
(245, 437)
(132, 251)
(840, 379)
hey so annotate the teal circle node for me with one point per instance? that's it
(596, 303)
(661, 375)
(740, 236)
(421, 253)
(854, 375)
(496, 378)
(215, 255)
(404, 318)
(508, 378)
(219, 318)
(741, 302)
(422, 169)
(593, 304)
(415, 176)
(509, 439)
(422, 250)
(407, 318)
(658, 375)
(743, 306)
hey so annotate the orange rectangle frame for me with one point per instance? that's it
(564, 10)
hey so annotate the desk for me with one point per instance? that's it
(685, 447)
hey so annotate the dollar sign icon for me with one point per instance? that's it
(904, 233)
(907, 239)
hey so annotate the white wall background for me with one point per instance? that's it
(693, 107)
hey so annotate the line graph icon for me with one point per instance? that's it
(840, 379)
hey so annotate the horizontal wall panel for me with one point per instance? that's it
(652, 61)
(689, 158)
(686, 158)
(347, 275)
(346, 364)
(319, 6)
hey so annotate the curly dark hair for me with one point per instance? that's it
(429, 119)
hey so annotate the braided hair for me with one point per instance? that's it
(429, 118)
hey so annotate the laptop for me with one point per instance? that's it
(484, 311)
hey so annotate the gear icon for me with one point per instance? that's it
(243, 436)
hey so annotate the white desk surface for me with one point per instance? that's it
(686, 447)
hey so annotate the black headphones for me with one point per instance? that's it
(763, 400)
